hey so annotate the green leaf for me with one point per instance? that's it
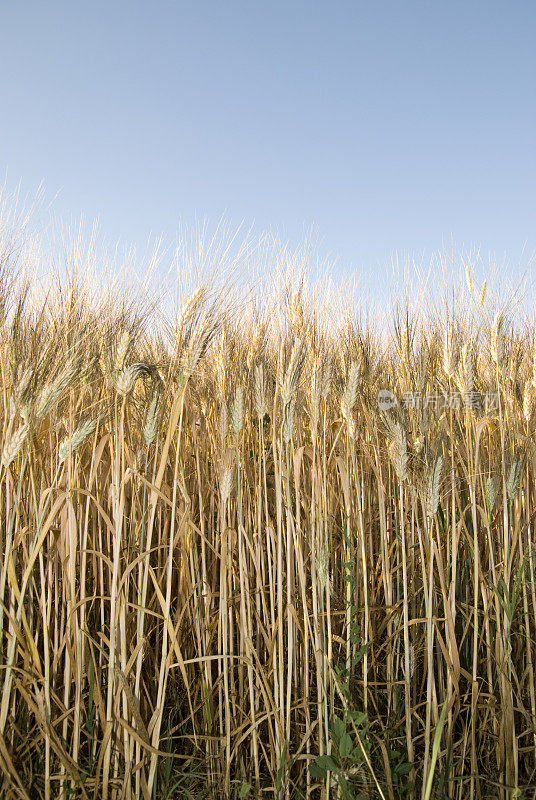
(345, 746)
(281, 770)
(358, 717)
(328, 763)
(322, 765)
(361, 652)
(317, 772)
(403, 769)
(244, 790)
(338, 729)
(435, 751)
(357, 755)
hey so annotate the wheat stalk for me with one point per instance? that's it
(349, 396)
(124, 382)
(53, 390)
(13, 445)
(71, 443)
(150, 427)
(434, 480)
(237, 410)
(498, 348)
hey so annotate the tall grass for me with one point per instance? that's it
(226, 571)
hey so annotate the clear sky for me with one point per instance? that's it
(385, 125)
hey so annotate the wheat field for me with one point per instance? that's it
(264, 550)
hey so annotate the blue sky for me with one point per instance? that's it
(385, 126)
